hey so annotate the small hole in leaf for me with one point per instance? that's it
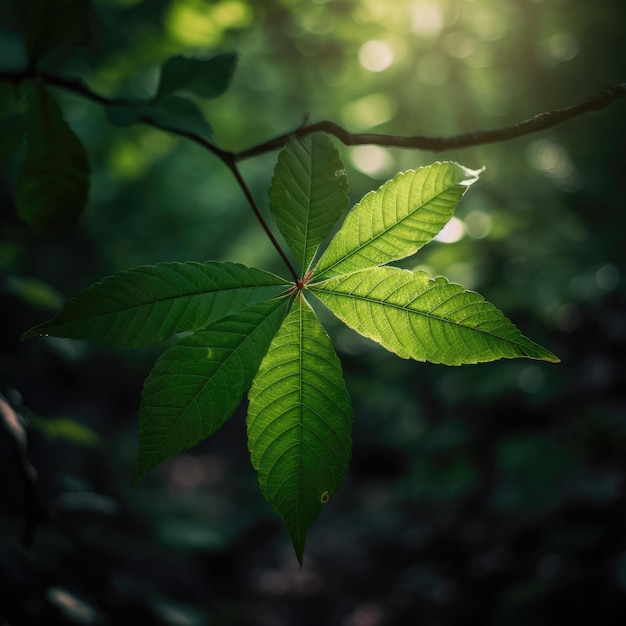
(325, 497)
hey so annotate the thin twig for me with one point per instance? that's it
(432, 144)
(228, 158)
(79, 88)
(438, 144)
(255, 207)
(535, 124)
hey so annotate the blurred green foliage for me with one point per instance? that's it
(493, 491)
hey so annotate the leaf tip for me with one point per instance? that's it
(35, 331)
(298, 541)
(299, 555)
(471, 175)
(542, 354)
(551, 358)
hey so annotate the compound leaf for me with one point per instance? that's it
(395, 221)
(147, 304)
(308, 194)
(425, 319)
(299, 422)
(196, 385)
(208, 78)
(53, 185)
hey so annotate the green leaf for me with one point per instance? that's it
(398, 219)
(11, 135)
(48, 25)
(53, 185)
(13, 105)
(66, 429)
(13, 100)
(33, 292)
(197, 384)
(425, 319)
(147, 304)
(308, 194)
(208, 78)
(299, 422)
(171, 113)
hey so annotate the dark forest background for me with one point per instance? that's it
(492, 494)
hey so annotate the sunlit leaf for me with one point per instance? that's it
(425, 319)
(398, 219)
(53, 184)
(308, 194)
(197, 384)
(147, 304)
(299, 422)
(208, 78)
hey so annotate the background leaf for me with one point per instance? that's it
(33, 291)
(51, 24)
(399, 218)
(308, 194)
(197, 384)
(144, 305)
(12, 107)
(53, 184)
(170, 113)
(208, 78)
(65, 429)
(299, 422)
(13, 100)
(12, 133)
(425, 319)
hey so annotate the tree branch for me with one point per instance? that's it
(232, 166)
(438, 144)
(535, 124)
(433, 144)
(79, 88)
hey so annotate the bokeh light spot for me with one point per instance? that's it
(463, 273)
(192, 25)
(608, 277)
(458, 45)
(128, 161)
(452, 232)
(531, 379)
(551, 159)
(369, 111)
(478, 224)
(376, 56)
(427, 20)
(232, 14)
(488, 25)
(199, 24)
(558, 48)
(372, 160)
